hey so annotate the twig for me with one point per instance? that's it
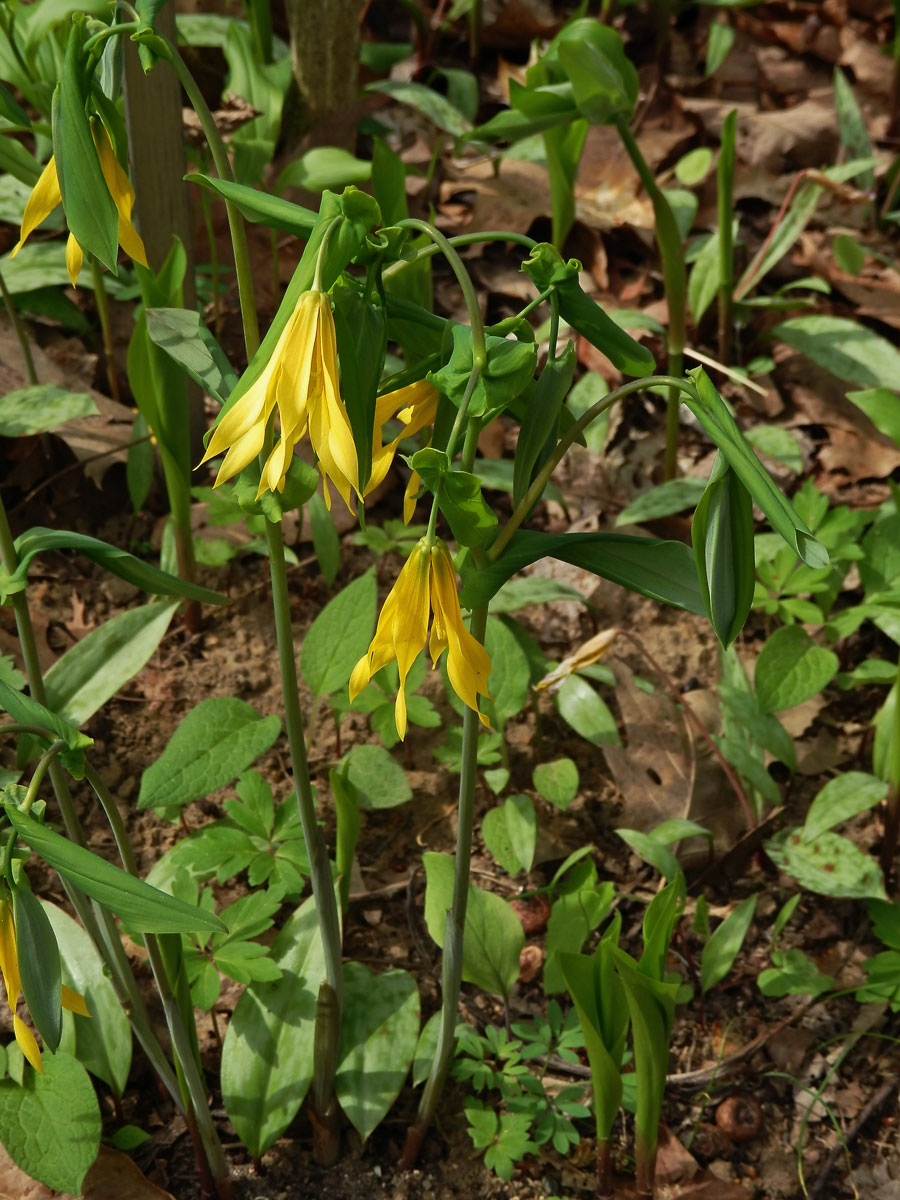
(883, 1094)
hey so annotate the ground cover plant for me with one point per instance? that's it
(451, 738)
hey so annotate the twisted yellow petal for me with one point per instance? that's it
(43, 199)
(416, 406)
(122, 193)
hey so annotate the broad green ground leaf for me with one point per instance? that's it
(573, 918)
(339, 636)
(267, 1055)
(436, 107)
(581, 707)
(828, 864)
(841, 798)
(493, 933)
(379, 1033)
(791, 668)
(780, 443)
(81, 682)
(426, 1048)
(849, 350)
(324, 167)
(721, 39)
(517, 594)
(557, 781)
(102, 1042)
(143, 908)
(37, 409)
(510, 676)
(794, 974)
(51, 1125)
(326, 542)
(724, 945)
(510, 833)
(181, 334)
(882, 406)
(378, 778)
(662, 501)
(217, 740)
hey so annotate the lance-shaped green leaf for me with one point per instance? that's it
(661, 570)
(722, 533)
(507, 372)
(39, 966)
(599, 999)
(604, 82)
(711, 411)
(651, 1005)
(26, 711)
(260, 207)
(361, 333)
(537, 434)
(143, 908)
(12, 110)
(659, 922)
(545, 266)
(534, 110)
(90, 210)
(180, 333)
(111, 558)
(472, 521)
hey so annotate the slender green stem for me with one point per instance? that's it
(111, 31)
(206, 209)
(725, 203)
(671, 251)
(21, 335)
(101, 299)
(219, 153)
(175, 1019)
(44, 764)
(892, 800)
(540, 480)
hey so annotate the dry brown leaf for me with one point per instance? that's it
(511, 198)
(112, 1177)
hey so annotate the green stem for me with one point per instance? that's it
(671, 251)
(725, 203)
(540, 480)
(44, 764)
(892, 800)
(463, 239)
(219, 153)
(109, 355)
(175, 1019)
(21, 335)
(320, 866)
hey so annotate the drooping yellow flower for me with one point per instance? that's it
(301, 379)
(415, 406)
(425, 585)
(9, 965)
(46, 196)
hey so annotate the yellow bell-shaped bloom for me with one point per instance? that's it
(9, 965)
(425, 585)
(415, 406)
(46, 195)
(301, 380)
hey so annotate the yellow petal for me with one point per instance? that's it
(74, 259)
(590, 652)
(74, 1002)
(329, 426)
(122, 193)
(410, 496)
(44, 198)
(468, 663)
(9, 961)
(28, 1044)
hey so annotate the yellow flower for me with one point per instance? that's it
(46, 195)
(416, 406)
(9, 965)
(301, 379)
(426, 584)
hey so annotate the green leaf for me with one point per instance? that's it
(16, 160)
(517, 594)
(510, 677)
(493, 933)
(326, 542)
(828, 864)
(557, 781)
(851, 351)
(141, 463)
(26, 711)
(711, 411)
(537, 433)
(346, 810)
(50, 1126)
(379, 1031)
(91, 213)
(604, 82)
(661, 570)
(795, 975)
(674, 496)
(545, 266)
(40, 408)
(882, 407)
(470, 518)
(840, 799)
(722, 534)
(779, 443)
(324, 167)
(506, 373)
(510, 833)
(656, 853)
(852, 127)
(705, 278)
(180, 333)
(117, 562)
(438, 109)
(339, 636)
(426, 1048)
(217, 740)
(573, 918)
(260, 207)
(143, 908)
(38, 957)
(694, 166)
(581, 707)
(267, 1054)
(81, 682)
(11, 110)
(725, 943)
(102, 1042)
(378, 778)
(791, 668)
